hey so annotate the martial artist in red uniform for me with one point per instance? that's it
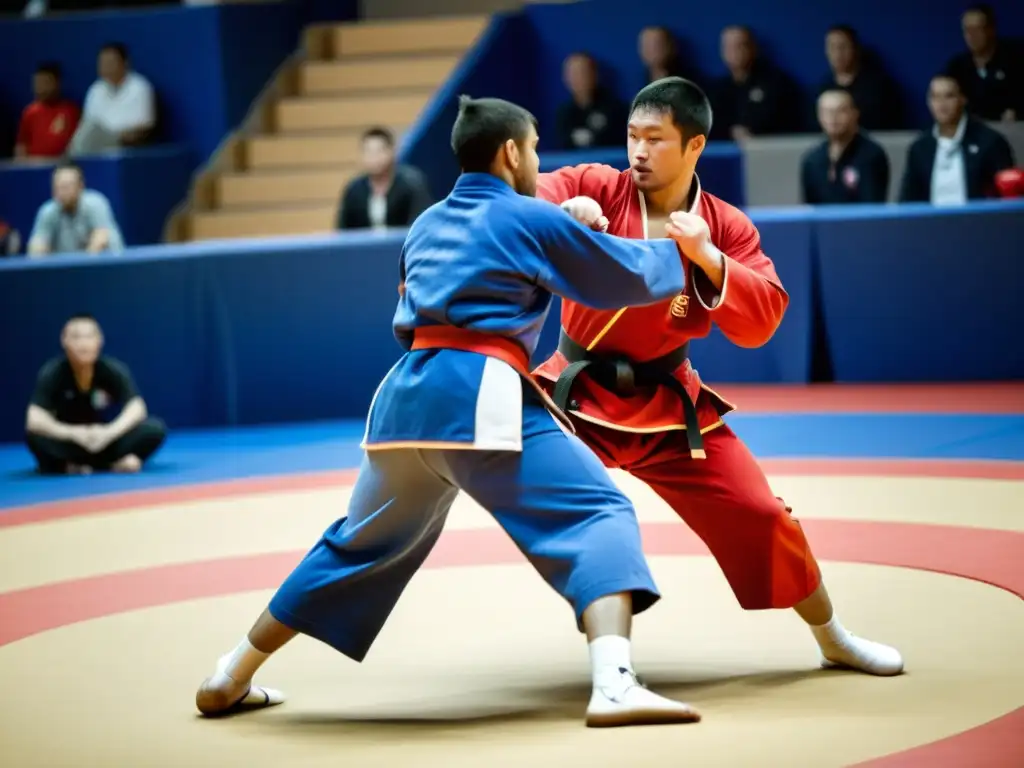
(625, 378)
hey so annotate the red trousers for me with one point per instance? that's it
(728, 503)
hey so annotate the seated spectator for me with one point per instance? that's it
(875, 94)
(659, 51)
(848, 167)
(990, 73)
(75, 220)
(755, 98)
(120, 107)
(49, 122)
(593, 117)
(957, 160)
(388, 194)
(68, 424)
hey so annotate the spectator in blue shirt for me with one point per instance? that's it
(75, 220)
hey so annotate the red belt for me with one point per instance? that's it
(503, 348)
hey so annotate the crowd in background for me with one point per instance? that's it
(959, 158)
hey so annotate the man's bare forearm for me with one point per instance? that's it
(40, 422)
(133, 414)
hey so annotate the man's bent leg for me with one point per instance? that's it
(562, 509)
(54, 456)
(761, 548)
(130, 451)
(347, 585)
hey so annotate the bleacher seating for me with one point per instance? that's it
(288, 179)
(283, 168)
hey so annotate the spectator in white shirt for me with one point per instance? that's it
(120, 107)
(959, 159)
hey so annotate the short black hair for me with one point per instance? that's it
(483, 126)
(848, 31)
(380, 133)
(985, 10)
(81, 316)
(119, 48)
(950, 78)
(665, 32)
(69, 165)
(49, 68)
(582, 55)
(682, 99)
(839, 89)
(744, 29)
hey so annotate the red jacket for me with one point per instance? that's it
(45, 130)
(747, 311)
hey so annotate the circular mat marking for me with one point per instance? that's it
(980, 554)
(497, 673)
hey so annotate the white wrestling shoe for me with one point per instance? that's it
(221, 695)
(866, 656)
(627, 702)
(217, 702)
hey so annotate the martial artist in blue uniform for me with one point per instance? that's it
(460, 412)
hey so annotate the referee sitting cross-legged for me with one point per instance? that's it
(67, 425)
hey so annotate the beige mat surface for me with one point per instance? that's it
(481, 665)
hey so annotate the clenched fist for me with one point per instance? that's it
(587, 212)
(690, 231)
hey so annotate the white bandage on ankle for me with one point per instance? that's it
(608, 655)
(832, 633)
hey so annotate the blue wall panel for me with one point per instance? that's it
(787, 238)
(268, 331)
(915, 294)
(207, 65)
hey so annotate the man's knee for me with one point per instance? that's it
(40, 448)
(155, 427)
(148, 437)
(801, 575)
(47, 452)
(771, 565)
(34, 442)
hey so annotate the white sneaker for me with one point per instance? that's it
(220, 701)
(627, 702)
(862, 655)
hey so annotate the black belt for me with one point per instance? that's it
(622, 376)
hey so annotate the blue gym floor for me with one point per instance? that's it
(208, 456)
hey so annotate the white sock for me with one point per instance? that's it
(240, 665)
(608, 656)
(831, 634)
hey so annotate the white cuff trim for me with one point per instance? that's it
(716, 301)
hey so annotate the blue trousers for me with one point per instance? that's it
(554, 499)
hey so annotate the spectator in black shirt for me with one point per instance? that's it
(67, 426)
(848, 167)
(755, 98)
(388, 194)
(875, 94)
(592, 117)
(659, 51)
(990, 72)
